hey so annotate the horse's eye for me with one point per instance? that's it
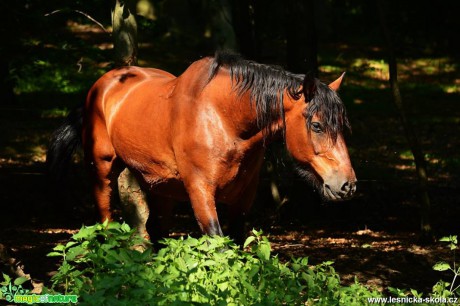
(316, 127)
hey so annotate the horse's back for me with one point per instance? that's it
(120, 86)
(115, 84)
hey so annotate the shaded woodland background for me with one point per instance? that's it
(49, 61)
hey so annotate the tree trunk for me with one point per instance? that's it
(411, 136)
(133, 202)
(124, 33)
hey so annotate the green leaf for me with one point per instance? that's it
(159, 269)
(222, 286)
(59, 247)
(208, 262)
(7, 280)
(85, 233)
(248, 241)
(125, 227)
(75, 252)
(441, 266)
(416, 294)
(254, 270)
(264, 251)
(20, 280)
(70, 243)
(304, 261)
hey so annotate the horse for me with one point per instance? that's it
(201, 136)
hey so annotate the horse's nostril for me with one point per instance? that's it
(345, 187)
(348, 189)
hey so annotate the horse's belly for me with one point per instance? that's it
(156, 176)
(166, 187)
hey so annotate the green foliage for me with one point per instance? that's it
(442, 290)
(101, 265)
(49, 76)
(445, 289)
(55, 113)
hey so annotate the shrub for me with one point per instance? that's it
(101, 265)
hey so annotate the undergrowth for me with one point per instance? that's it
(102, 266)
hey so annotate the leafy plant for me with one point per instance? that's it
(445, 289)
(444, 292)
(101, 265)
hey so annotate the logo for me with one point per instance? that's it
(9, 291)
(19, 295)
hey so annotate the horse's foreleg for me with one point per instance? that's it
(203, 201)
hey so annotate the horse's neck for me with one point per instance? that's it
(276, 129)
(257, 136)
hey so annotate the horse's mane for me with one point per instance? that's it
(267, 83)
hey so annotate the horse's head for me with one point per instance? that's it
(314, 137)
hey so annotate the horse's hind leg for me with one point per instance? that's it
(105, 186)
(104, 168)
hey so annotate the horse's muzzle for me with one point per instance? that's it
(343, 192)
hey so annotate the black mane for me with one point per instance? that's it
(267, 84)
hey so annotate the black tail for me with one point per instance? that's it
(63, 144)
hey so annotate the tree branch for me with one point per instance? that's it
(82, 13)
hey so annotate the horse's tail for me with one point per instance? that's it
(63, 144)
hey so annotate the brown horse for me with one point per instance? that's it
(201, 136)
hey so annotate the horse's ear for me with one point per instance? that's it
(309, 87)
(336, 84)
